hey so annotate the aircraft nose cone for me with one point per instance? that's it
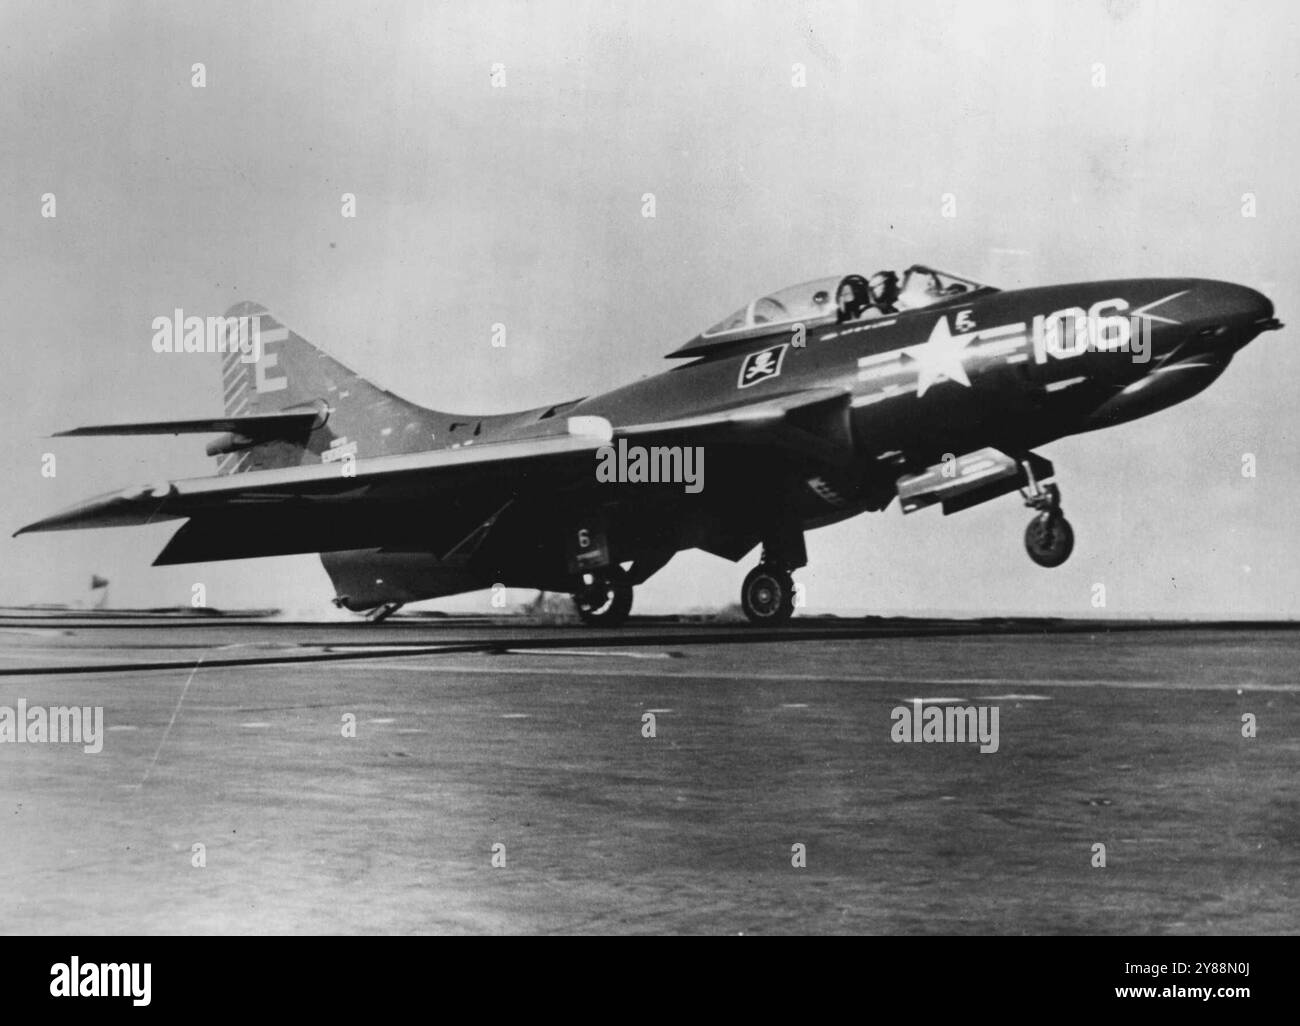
(1225, 315)
(1236, 302)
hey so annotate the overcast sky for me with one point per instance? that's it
(522, 205)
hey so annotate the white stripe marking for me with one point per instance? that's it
(587, 653)
(692, 675)
(175, 712)
(1142, 310)
(1014, 698)
(871, 361)
(1003, 329)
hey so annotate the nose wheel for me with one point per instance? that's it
(606, 601)
(767, 596)
(1049, 538)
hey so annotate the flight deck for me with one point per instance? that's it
(468, 775)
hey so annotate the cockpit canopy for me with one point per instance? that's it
(814, 302)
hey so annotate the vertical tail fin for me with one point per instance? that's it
(290, 374)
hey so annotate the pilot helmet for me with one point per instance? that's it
(861, 293)
(856, 284)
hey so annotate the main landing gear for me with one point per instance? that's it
(1049, 538)
(767, 596)
(606, 600)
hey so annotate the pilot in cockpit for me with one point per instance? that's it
(937, 290)
(884, 292)
(852, 298)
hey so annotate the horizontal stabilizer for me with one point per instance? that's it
(266, 425)
(349, 501)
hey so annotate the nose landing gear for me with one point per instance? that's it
(1049, 538)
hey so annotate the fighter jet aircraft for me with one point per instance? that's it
(804, 407)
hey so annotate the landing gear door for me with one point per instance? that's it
(588, 546)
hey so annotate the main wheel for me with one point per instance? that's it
(605, 603)
(1049, 539)
(767, 596)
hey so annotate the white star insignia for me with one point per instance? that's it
(940, 359)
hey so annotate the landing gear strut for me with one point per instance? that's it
(767, 596)
(1049, 538)
(605, 601)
